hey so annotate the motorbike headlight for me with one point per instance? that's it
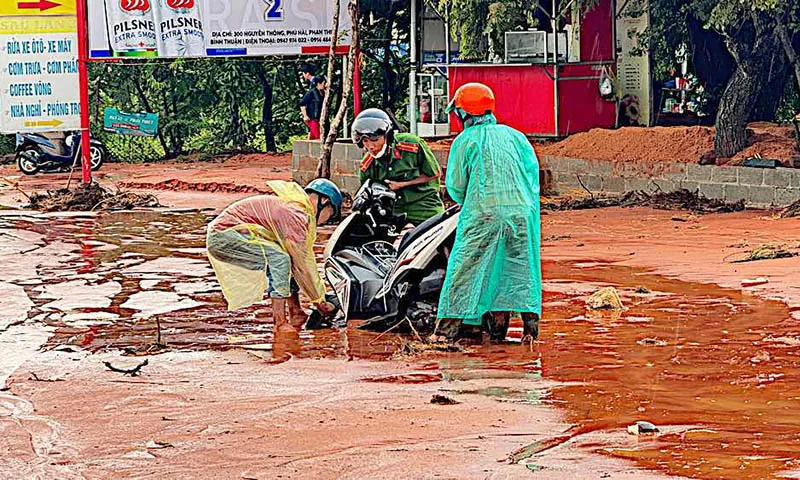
(70, 140)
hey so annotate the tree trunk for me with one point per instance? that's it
(752, 51)
(324, 167)
(236, 124)
(266, 109)
(735, 107)
(711, 61)
(323, 116)
(788, 48)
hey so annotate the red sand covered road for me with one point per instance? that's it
(698, 249)
(177, 184)
(241, 418)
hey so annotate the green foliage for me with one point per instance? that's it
(216, 105)
(384, 72)
(668, 32)
(790, 104)
(469, 19)
(505, 16)
(7, 144)
(480, 25)
(205, 105)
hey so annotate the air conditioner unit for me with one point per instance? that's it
(534, 46)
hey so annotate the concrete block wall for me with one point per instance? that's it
(759, 187)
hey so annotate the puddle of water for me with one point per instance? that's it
(156, 302)
(690, 355)
(18, 344)
(691, 363)
(14, 304)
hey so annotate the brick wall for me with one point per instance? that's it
(759, 187)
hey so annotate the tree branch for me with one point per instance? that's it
(788, 48)
(324, 167)
(323, 116)
(133, 372)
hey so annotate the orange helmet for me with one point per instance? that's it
(473, 98)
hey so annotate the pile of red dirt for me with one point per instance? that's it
(635, 144)
(770, 141)
(672, 144)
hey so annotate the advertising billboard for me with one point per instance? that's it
(39, 69)
(200, 28)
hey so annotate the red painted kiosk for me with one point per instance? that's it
(552, 95)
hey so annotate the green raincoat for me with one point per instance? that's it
(494, 266)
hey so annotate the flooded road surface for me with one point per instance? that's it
(715, 370)
(720, 363)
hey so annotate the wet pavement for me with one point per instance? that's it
(713, 368)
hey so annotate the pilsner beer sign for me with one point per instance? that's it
(198, 28)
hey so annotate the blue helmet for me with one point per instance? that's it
(329, 190)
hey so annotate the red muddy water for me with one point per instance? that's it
(716, 370)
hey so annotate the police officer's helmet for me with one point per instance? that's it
(372, 123)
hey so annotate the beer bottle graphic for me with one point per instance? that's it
(180, 28)
(131, 28)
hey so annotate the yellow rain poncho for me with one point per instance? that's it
(492, 171)
(262, 242)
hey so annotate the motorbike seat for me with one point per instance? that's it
(358, 260)
(423, 227)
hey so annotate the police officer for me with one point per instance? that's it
(401, 160)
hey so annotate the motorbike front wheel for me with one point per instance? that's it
(97, 156)
(26, 161)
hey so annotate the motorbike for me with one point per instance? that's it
(35, 153)
(380, 280)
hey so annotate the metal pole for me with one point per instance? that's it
(356, 77)
(447, 33)
(412, 76)
(83, 83)
(556, 106)
(345, 66)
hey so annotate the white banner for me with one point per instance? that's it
(634, 70)
(39, 75)
(198, 28)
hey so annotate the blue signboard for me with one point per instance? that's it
(125, 123)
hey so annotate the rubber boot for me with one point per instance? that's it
(447, 328)
(531, 325)
(497, 324)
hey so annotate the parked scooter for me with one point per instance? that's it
(35, 153)
(378, 282)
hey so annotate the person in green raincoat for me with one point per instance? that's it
(494, 267)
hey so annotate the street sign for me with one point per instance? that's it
(127, 123)
(14, 8)
(39, 74)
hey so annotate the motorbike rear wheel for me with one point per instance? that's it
(25, 162)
